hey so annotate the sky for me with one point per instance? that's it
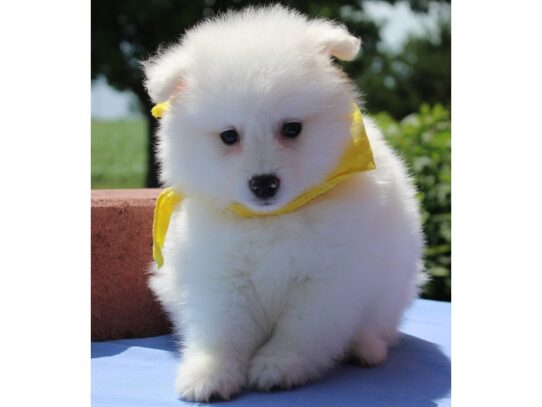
(398, 22)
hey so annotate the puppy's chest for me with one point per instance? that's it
(264, 259)
(268, 261)
(269, 254)
(277, 252)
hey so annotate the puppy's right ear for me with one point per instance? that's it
(164, 73)
(335, 40)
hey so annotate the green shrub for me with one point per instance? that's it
(423, 141)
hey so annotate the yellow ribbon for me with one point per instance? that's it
(357, 157)
(159, 109)
(165, 205)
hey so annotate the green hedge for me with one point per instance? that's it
(424, 141)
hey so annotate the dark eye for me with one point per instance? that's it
(229, 137)
(291, 129)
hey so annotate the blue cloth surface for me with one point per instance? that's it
(141, 372)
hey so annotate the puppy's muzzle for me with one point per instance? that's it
(264, 186)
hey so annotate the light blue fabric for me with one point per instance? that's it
(141, 372)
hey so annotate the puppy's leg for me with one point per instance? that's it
(378, 329)
(219, 338)
(313, 332)
(163, 284)
(370, 347)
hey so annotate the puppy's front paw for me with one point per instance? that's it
(202, 377)
(283, 370)
(370, 350)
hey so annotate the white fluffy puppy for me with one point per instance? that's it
(257, 117)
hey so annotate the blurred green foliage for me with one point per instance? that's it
(119, 153)
(399, 82)
(423, 140)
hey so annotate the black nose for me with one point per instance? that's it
(264, 186)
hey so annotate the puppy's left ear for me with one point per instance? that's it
(335, 40)
(164, 73)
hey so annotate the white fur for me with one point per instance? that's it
(275, 301)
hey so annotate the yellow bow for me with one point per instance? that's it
(357, 157)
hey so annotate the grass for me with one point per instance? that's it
(119, 153)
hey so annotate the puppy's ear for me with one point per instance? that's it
(164, 73)
(335, 40)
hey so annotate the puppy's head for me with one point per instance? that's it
(259, 112)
